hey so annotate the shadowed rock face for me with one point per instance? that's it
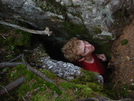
(24, 10)
(94, 15)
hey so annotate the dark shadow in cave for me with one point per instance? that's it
(51, 47)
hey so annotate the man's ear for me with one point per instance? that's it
(82, 59)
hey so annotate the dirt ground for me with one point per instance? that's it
(122, 56)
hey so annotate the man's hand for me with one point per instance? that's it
(102, 57)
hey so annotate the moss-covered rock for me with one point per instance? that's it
(12, 39)
(40, 89)
(125, 41)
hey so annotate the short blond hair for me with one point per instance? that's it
(70, 49)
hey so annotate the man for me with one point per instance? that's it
(81, 52)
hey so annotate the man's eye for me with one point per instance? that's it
(85, 50)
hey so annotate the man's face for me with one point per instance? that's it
(85, 48)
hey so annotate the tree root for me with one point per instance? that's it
(9, 64)
(40, 74)
(44, 32)
(12, 85)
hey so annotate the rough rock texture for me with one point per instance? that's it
(62, 69)
(24, 10)
(95, 15)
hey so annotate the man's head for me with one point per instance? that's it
(77, 50)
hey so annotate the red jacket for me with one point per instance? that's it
(96, 66)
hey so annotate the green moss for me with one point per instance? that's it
(43, 97)
(24, 39)
(92, 2)
(14, 39)
(67, 85)
(32, 81)
(51, 5)
(81, 87)
(4, 29)
(123, 42)
(108, 38)
(85, 85)
(48, 73)
(87, 76)
(95, 86)
(59, 99)
(49, 96)
(83, 90)
(96, 30)
(74, 29)
(9, 56)
(9, 42)
(53, 87)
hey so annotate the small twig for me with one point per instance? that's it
(5, 89)
(3, 37)
(16, 58)
(9, 99)
(23, 99)
(44, 32)
(9, 64)
(28, 93)
(12, 85)
(4, 34)
(121, 61)
(118, 62)
(38, 73)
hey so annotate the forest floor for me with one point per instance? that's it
(122, 57)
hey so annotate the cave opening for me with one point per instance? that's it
(51, 47)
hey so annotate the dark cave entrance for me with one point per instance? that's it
(52, 48)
